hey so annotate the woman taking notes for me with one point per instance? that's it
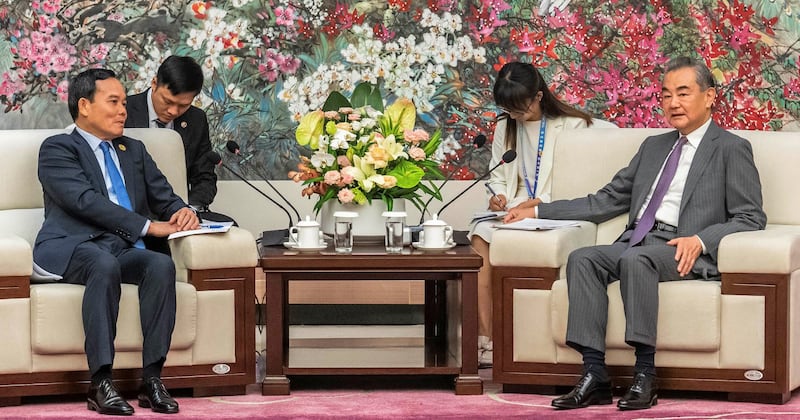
(531, 117)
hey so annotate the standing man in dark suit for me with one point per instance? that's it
(684, 191)
(100, 189)
(168, 104)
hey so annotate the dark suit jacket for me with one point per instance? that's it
(193, 128)
(76, 203)
(722, 194)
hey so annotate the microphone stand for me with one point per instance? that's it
(268, 237)
(460, 236)
(477, 143)
(233, 147)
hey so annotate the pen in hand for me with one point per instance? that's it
(494, 194)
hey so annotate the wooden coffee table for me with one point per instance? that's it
(451, 301)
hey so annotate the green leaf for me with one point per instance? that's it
(433, 143)
(361, 94)
(408, 174)
(335, 101)
(375, 100)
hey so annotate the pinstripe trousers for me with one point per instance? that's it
(638, 269)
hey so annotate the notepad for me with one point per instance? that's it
(205, 227)
(488, 215)
(538, 224)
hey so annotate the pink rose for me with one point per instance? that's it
(343, 161)
(332, 177)
(415, 136)
(345, 196)
(416, 153)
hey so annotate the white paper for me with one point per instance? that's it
(538, 224)
(205, 227)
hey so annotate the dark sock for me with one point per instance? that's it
(152, 370)
(104, 372)
(645, 359)
(594, 362)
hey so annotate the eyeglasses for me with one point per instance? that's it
(515, 111)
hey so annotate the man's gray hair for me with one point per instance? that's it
(703, 75)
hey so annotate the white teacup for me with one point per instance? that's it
(305, 234)
(436, 233)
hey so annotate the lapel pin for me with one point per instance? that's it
(183, 124)
(122, 147)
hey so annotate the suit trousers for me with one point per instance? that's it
(102, 265)
(638, 269)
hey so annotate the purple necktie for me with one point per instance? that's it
(648, 219)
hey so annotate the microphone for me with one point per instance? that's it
(233, 147)
(268, 237)
(508, 156)
(477, 143)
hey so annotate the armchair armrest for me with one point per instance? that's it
(547, 248)
(235, 248)
(16, 256)
(16, 266)
(775, 250)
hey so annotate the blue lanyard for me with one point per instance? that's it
(531, 192)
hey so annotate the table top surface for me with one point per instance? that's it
(371, 256)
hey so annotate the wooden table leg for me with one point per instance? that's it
(468, 382)
(276, 302)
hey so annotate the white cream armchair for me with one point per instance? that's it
(213, 345)
(734, 336)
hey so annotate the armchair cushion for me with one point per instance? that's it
(57, 327)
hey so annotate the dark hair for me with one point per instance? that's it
(180, 74)
(84, 86)
(517, 84)
(703, 75)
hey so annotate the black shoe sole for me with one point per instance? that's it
(91, 405)
(653, 403)
(595, 401)
(144, 403)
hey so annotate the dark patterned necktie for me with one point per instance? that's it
(648, 219)
(160, 124)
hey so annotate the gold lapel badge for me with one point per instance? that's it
(183, 124)
(122, 147)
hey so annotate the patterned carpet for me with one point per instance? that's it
(395, 400)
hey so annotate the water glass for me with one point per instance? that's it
(395, 226)
(343, 231)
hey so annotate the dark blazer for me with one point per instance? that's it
(76, 203)
(193, 128)
(722, 194)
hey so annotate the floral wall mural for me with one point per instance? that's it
(268, 62)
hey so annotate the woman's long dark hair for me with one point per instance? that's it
(519, 83)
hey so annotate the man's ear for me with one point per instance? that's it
(83, 107)
(711, 96)
(153, 84)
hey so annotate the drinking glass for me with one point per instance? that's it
(395, 224)
(343, 231)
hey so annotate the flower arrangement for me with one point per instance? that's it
(362, 152)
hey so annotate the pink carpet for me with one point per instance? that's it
(440, 403)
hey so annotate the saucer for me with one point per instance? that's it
(420, 245)
(291, 245)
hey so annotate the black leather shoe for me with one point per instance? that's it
(588, 391)
(641, 395)
(105, 399)
(152, 394)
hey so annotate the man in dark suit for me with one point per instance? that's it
(168, 104)
(100, 189)
(684, 191)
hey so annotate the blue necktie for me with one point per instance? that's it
(648, 219)
(117, 185)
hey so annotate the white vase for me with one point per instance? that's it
(368, 227)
